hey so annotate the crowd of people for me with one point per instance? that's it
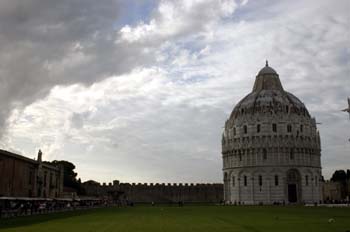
(13, 207)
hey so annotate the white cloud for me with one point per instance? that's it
(177, 18)
(116, 114)
(163, 120)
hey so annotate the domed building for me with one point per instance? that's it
(271, 147)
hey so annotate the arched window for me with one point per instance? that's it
(233, 181)
(289, 128)
(240, 155)
(245, 180)
(307, 180)
(264, 154)
(245, 129)
(274, 127)
(301, 128)
(287, 109)
(291, 154)
(30, 176)
(276, 180)
(292, 176)
(316, 180)
(258, 128)
(260, 180)
(45, 179)
(234, 131)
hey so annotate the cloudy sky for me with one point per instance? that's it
(139, 90)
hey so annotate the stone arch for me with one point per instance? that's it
(241, 174)
(264, 153)
(259, 170)
(318, 196)
(233, 179)
(293, 186)
(225, 176)
(244, 186)
(277, 185)
(316, 179)
(242, 171)
(260, 180)
(307, 178)
(233, 190)
(226, 187)
(280, 176)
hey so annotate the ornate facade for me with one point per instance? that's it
(271, 147)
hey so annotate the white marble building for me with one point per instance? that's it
(271, 147)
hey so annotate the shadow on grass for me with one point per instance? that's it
(35, 219)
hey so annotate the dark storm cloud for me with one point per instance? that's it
(44, 43)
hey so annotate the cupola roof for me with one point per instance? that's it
(267, 70)
(268, 96)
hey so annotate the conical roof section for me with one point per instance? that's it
(267, 79)
(267, 70)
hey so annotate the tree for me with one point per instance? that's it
(69, 176)
(339, 176)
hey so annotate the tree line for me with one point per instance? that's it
(70, 177)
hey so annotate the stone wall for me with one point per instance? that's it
(17, 177)
(269, 185)
(158, 193)
(24, 177)
(332, 191)
(336, 191)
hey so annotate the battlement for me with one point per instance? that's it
(158, 192)
(117, 183)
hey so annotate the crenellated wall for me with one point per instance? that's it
(158, 193)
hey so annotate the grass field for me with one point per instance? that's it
(187, 218)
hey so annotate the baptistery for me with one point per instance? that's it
(271, 147)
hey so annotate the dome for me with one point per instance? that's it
(269, 102)
(269, 97)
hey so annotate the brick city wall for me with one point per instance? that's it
(158, 193)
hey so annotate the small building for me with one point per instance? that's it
(332, 191)
(25, 177)
(336, 191)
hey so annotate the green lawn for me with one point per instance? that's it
(187, 218)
